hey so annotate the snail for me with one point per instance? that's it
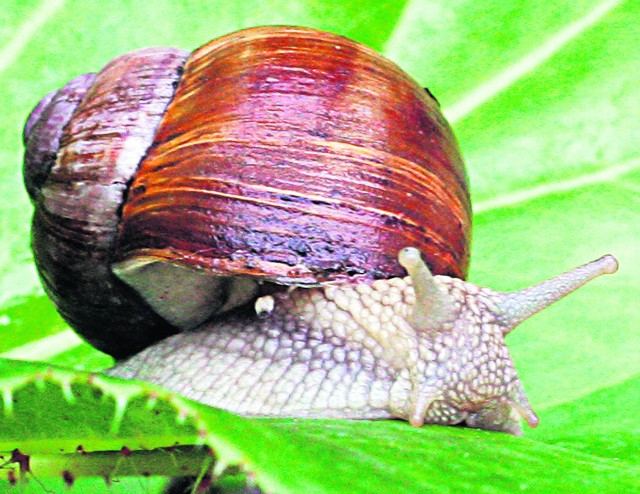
(277, 224)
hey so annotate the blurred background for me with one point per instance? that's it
(544, 102)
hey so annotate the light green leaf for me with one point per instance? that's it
(603, 423)
(544, 102)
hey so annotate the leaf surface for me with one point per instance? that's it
(85, 414)
(545, 105)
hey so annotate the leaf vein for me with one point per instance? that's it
(511, 74)
(25, 32)
(602, 176)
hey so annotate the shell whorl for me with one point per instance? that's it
(82, 151)
(299, 157)
(43, 131)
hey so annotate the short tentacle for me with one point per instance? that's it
(519, 402)
(504, 413)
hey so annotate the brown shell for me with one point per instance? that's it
(298, 156)
(79, 189)
(286, 155)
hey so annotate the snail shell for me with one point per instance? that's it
(272, 155)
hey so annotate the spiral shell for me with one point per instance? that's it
(271, 155)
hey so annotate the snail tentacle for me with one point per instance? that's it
(515, 307)
(433, 307)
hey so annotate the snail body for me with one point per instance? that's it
(425, 349)
(274, 157)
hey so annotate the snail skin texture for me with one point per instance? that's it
(277, 224)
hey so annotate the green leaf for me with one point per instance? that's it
(544, 103)
(603, 423)
(92, 413)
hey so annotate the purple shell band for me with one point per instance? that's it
(35, 115)
(44, 128)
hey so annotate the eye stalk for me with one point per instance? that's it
(515, 307)
(434, 308)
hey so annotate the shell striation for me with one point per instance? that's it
(302, 157)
